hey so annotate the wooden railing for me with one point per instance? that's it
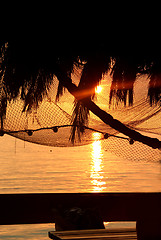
(144, 208)
(37, 208)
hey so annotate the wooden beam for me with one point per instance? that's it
(38, 208)
(104, 234)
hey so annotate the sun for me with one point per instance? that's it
(98, 89)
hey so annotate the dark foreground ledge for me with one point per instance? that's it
(38, 208)
(99, 234)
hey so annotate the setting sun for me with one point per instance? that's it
(98, 89)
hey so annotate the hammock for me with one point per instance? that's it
(50, 124)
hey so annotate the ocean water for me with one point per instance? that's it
(31, 168)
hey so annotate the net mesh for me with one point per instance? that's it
(50, 123)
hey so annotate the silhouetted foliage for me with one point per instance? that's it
(30, 65)
(27, 68)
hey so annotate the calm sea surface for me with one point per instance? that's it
(30, 168)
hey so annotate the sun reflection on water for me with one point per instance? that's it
(97, 178)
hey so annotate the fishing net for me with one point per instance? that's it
(50, 123)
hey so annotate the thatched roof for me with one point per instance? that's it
(30, 65)
(27, 67)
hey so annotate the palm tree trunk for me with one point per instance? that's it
(105, 117)
(117, 125)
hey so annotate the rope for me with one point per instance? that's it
(55, 129)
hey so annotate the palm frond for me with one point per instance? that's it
(154, 91)
(92, 73)
(124, 75)
(79, 120)
(29, 65)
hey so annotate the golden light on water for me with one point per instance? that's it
(97, 165)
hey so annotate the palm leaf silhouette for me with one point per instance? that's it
(27, 69)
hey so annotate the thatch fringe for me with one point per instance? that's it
(27, 68)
